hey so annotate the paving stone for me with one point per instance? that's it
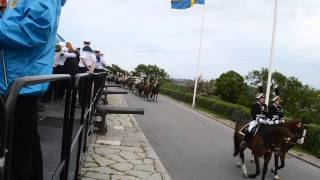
(102, 161)
(122, 166)
(128, 155)
(148, 168)
(156, 176)
(88, 158)
(97, 176)
(166, 177)
(90, 165)
(140, 174)
(115, 157)
(117, 177)
(106, 150)
(135, 162)
(148, 161)
(159, 166)
(124, 153)
(102, 170)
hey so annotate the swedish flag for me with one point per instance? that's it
(185, 4)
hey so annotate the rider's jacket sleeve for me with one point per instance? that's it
(24, 25)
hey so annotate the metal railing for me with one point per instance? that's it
(73, 138)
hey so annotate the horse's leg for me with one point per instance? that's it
(243, 165)
(267, 158)
(257, 163)
(276, 165)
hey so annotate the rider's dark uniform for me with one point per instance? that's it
(276, 112)
(258, 109)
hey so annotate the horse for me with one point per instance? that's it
(299, 129)
(266, 139)
(148, 88)
(155, 92)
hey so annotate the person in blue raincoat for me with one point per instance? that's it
(27, 38)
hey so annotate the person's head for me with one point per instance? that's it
(260, 98)
(69, 46)
(97, 52)
(86, 43)
(276, 100)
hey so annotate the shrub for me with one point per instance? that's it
(312, 140)
(225, 109)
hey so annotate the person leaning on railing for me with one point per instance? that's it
(27, 38)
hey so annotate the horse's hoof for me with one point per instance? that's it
(276, 177)
(272, 170)
(238, 164)
(252, 176)
(245, 175)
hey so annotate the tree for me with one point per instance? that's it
(205, 88)
(151, 71)
(229, 86)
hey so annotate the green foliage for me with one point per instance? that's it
(229, 86)
(225, 109)
(205, 88)
(312, 140)
(151, 71)
(116, 70)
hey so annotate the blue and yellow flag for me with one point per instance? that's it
(185, 4)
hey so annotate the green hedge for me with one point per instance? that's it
(312, 140)
(236, 112)
(225, 109)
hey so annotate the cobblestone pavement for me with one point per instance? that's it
(124, 153)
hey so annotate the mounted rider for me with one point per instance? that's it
(259, 115)
(276, 110)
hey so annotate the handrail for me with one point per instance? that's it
(10, 103)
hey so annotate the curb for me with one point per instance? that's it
(223, 121)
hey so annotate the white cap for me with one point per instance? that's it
(62, 44)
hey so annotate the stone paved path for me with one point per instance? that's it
(124, 153)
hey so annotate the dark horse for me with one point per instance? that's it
(265, 141)
(155, 92)
(148, 88)
(299, 130)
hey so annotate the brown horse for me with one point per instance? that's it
(265, 141)
(148, 88)
(155, 92)
(299, 129)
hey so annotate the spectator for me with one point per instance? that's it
(86, 64)
(27, 38)
(100, 62)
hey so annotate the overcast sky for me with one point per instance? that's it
(237, 35)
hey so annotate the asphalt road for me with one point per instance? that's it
(195, 147)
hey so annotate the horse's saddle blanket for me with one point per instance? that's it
(252, 125)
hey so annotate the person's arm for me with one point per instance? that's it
(29, 24)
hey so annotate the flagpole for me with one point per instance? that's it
(275, 20)
(199, 58)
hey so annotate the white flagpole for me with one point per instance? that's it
(275, 20)
(199, 58)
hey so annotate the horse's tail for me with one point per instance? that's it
(236, 145)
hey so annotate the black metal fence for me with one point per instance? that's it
(82, 102)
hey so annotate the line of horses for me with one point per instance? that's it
(269, 139)
(143, 88)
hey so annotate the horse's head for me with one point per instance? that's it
(299, 129)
